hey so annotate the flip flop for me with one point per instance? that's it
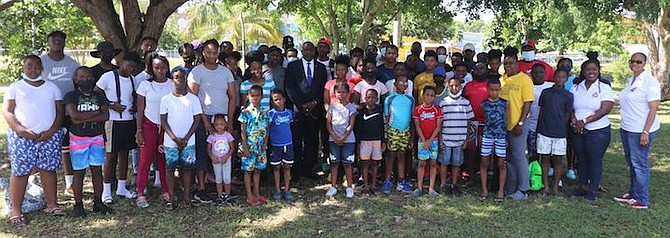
(17, 220)
(55, 211)
(483, 197)
(499, 199)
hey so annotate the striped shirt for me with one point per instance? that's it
(455, 116)
(268, 86)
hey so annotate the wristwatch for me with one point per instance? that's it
(520, 123)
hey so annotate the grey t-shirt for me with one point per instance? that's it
(276, 74)
(339, 118)
(213, 88)
(59, 72)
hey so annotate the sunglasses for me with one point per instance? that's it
(636, 62)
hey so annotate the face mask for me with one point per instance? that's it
(291, 59)
(369, 75)
(442, 58)
(567, 69)
(382, 51)
(378, 58)
(528, 55)
(457, 95)
(189, 59)
(86, 86)
(265, 58)
(26, 78)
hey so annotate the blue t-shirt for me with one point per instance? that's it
(554, 107)
(280, 127)
(399, 109)
(494, 117)
(385, 74)
(569, 83)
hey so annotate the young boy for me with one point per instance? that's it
(457, 113)
(555, 112)
(180, 114)
(254, 144)
(370, 133)
(537, 75)
(425, 78)
(494, 138)
(88, 112)
(281, 140)
(397, 117)
(427, 121)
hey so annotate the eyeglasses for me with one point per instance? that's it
(636, 62)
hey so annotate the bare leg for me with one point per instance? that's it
(335, 167)
(17, 188)
(169, 179)
(257, 182)
(546, 163)
(287, 177)
(375, 166)
(96, 177)
(502, 174)
(419, 174)
(558, 168)
(443, 174)
(201, 179)
(49, 185)
(433, 175)
(186, 178)
(364, 165)
(277, 177)
(483, 174)
(78, 186)
(455, 173)
(123, 165)
(388, 166)
(247, 184)
(110, 167)
(348, 172)
(401, 157)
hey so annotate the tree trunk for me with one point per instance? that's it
(137, 24)
(347, 27)
(659, 49)
(370, 9)
(335, 29)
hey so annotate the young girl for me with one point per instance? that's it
(340, 120)
(220, 147)
(33, 110)
(341, 68)
(267, 84)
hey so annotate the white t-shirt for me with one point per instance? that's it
(107, 83)
(180, 112)
(213, 88)
(327, 64)
(60, 73)
(363, 86)
(391, 87)
(35, 106)
(142, 76)
(534, 114)
(587, 102)
(634, 100)
(153, 92)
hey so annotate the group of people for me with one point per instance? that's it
(208, 114)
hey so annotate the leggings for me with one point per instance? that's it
(222, 172)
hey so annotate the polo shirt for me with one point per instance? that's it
(587, 102)
(634, 101)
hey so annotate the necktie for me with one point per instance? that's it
(309, 74)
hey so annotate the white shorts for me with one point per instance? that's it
(551, 146)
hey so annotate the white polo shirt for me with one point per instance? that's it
(587, 102)
(634, 100)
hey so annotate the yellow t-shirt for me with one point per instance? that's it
(516, 89)
(421, 81)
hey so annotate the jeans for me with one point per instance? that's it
(637, 158)
(516, 156)
(590, 149)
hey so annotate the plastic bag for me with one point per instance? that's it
(33, 200)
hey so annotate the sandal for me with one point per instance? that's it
(169, 205)
(108, 200)
(141, 202)
(499, 199)
(54, 211)
(17, 220)
(483, 197)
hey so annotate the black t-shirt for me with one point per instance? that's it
(86, 103)
(554, 107)
(98, 71)
(370, 124)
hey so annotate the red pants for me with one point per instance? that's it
(153, 137)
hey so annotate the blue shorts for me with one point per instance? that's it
(257, 157)
(426, 154)
(26, 154)
(87, 151)
(342, 154)
(182, 159)
(500, 145)
(451, 156)
(282, 155)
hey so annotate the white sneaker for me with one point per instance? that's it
(125, 193)
(350, 192)
(331, 192)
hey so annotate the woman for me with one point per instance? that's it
(149, 133)
(593, 100)
(341, 67)
(639, 102)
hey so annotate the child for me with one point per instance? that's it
(267, 84)
(537, 75)
(88, 112)
(494, 137)
(556, 110)
(340, 119)
(457, 113)
(427, 121)
(220, 147)
(369, 82)
(254, 144)
(397, 117)
(33, 111)
(425, 78)
(341, 68)
(370, 132)
(180, 114)
(281, 141)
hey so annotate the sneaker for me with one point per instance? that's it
(100, 208)
(386, 187)
(579, 192)
(349, 192)
(455, 190)
(288, 196)
(202, 197)
(276, 196)
(220, 200)
(417, 192)
(550, 173)
(79, 211)
(433, 193)
(447, 190)
(519, 196)
(331, 192)
(231, 199)
(126, 193)
(591, 196)
(407, 186)
(360, 182)
(626, 198)
(571, 175)
(638, 205)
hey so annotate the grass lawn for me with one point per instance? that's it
(396, 215)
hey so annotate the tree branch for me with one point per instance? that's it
(7, 4)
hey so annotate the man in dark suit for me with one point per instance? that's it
(304, 82)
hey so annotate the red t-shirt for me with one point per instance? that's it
(428, 118)
(527, 66)
(477, 92)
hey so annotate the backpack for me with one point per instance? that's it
(535, 174)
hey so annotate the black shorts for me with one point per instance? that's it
(119, 135)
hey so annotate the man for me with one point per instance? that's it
(186, 51)
(148, 44)
(476, 92)
(59, 69)
(386, 71)
(517, 90)
(528, 51)
(273, 69)
(105, 51)
(381, 58)
(305, 85)
(416, 53)
(442, 59)
(323, 51)
(469, 55)
(264, 50)
(287, 44)
(214, 85)
(494, 63)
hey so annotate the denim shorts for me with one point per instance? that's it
(451, 156)
(342, 154)
(87, 151)
(26, 154)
